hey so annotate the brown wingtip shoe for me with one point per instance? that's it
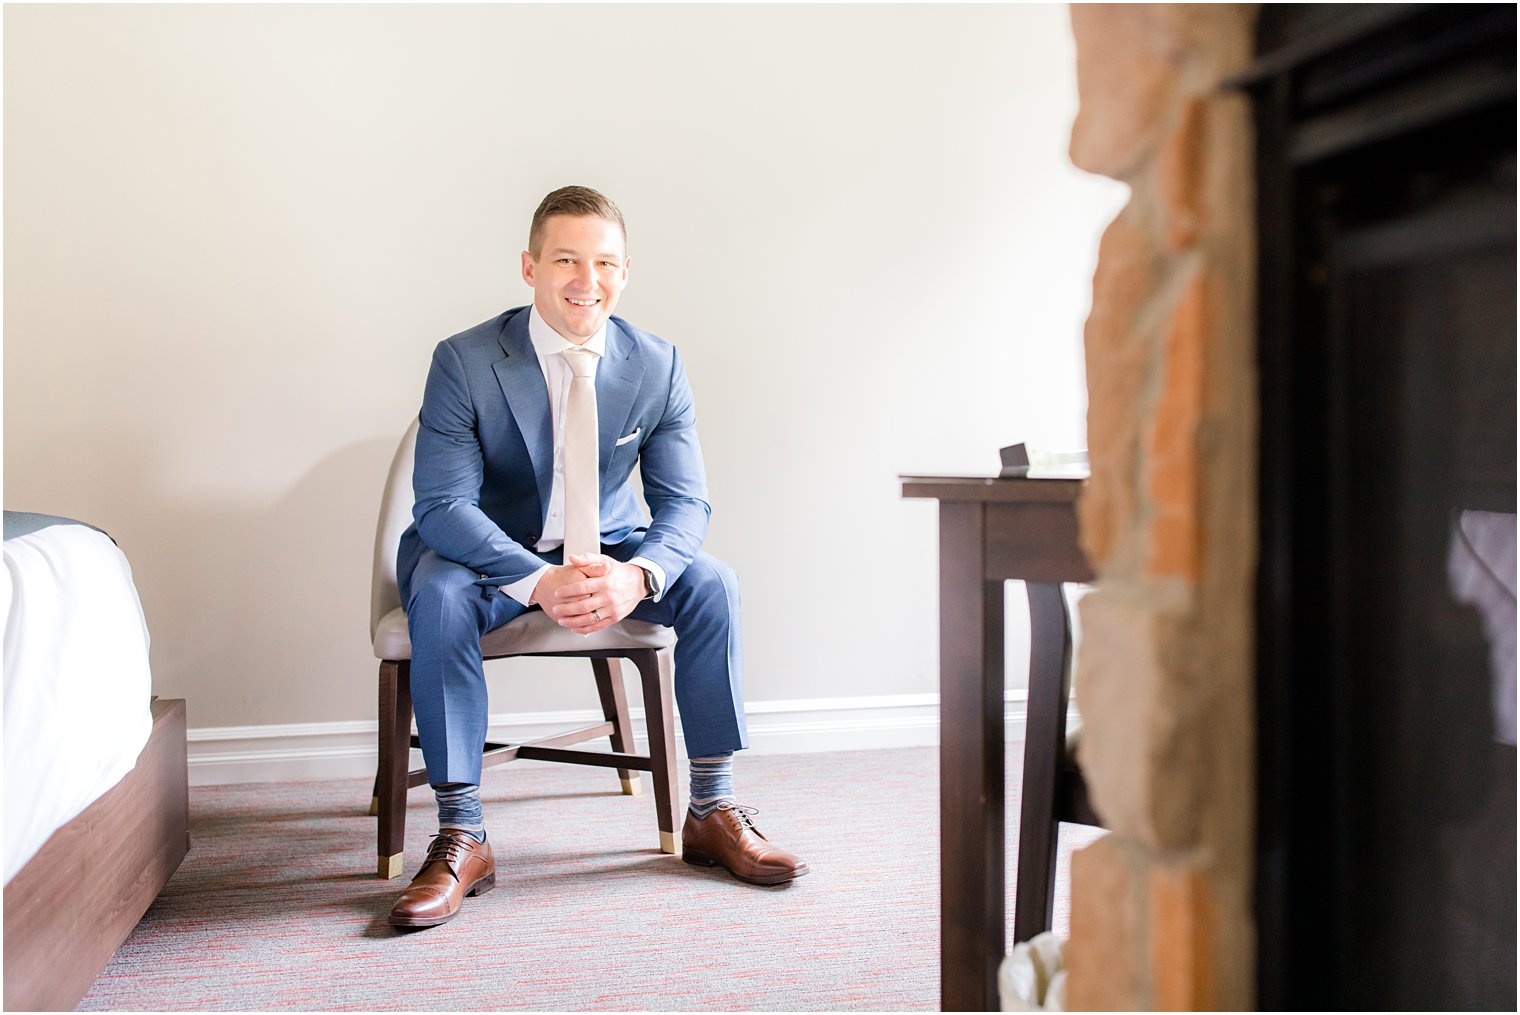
(456, 866)
(728, 837)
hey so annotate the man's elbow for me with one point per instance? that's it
(432, 512)
(687, 507)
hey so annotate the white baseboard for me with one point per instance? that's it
(343, 750)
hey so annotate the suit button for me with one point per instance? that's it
(532, 537)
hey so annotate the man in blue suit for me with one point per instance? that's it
(489, 525)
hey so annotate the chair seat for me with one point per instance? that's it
(532, 633)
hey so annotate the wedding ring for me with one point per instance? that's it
(598, 615)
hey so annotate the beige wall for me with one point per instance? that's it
(233, 236)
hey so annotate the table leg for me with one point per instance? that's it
(971, 764)
(1044, 750)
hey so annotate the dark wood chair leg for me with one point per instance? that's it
(1044, 754)
(657, 675)
(395, 757)
(609, 686)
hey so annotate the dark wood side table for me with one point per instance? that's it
(992, 530)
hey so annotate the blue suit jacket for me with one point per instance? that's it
(485, 452)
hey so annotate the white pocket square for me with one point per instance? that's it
(624, 440)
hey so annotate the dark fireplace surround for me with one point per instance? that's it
(1386, 221)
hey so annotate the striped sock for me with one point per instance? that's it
(712, 782)
(459, 807)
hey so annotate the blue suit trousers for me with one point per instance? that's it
(447, 614)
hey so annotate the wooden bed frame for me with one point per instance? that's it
(75, 902)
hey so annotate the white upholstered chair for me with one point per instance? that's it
(647, 646)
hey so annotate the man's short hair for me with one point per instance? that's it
(572, 201)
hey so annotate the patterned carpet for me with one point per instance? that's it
(277, 906)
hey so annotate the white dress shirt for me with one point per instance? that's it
(550, 346)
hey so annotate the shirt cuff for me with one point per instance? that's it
(522, 589)
(656, 572)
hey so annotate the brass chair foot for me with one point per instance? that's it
(632, 786)
(670, 843)
(390, 866)
(374, 807)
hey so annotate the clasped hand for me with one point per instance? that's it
(590, 593)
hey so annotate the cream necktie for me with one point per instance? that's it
(583, 532)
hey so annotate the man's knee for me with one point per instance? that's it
(444, 592)
(712, 584)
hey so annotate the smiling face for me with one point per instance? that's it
(577, 274)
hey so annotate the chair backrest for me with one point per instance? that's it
(395, 516)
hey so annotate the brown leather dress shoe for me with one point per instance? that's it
(456, 866)
(728, 837)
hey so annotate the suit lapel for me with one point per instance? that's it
(522, 383)
(618, 378)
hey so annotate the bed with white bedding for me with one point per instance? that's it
(95, 789)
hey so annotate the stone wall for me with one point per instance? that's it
(1161, 908)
